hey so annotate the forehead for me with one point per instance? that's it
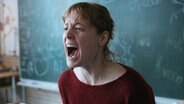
(75, 17)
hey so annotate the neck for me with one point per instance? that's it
(92, 74)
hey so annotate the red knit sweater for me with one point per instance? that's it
(130, 88)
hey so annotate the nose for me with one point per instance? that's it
(69, 33)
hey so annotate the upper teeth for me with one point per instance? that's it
(70, 45)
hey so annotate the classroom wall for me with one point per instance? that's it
(32, 96)
(36, 96)
(6, 95)
(9, 27)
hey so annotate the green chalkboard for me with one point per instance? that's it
(149, 36)
(41, 51)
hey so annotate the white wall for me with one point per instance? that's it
(9, 34)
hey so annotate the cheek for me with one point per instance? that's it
(63, 38)
(89, 39)
(88, 42)
(63, 41)
(89, 45)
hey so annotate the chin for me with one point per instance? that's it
(71, 64)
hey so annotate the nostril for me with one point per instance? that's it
(69, 34)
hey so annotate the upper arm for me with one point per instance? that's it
(142, 96)
(61, 83)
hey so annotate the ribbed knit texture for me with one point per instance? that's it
(130, 88)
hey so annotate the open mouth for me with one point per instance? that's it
(72, 51)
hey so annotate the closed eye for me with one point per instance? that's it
(79, 29)
(65, 28)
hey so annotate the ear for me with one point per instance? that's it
(104, 38)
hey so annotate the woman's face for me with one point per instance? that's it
(81, 41)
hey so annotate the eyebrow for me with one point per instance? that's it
(77, 23)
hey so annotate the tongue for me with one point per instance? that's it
(73, 53)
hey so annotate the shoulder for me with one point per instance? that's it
(134, 76)
(64, 82)
(137, 79)
(65, 77)
(138, 87)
